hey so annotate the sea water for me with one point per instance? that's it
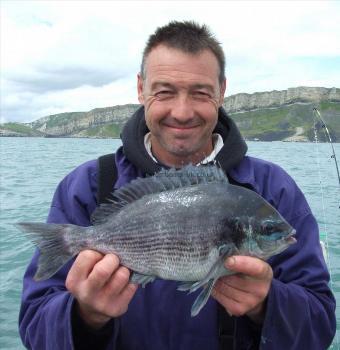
(31, 168)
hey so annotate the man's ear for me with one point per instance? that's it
(222, 92)
(140, 89)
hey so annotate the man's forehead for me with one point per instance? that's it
(169, 55)
(163, 63)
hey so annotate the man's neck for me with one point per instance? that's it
(178, 161)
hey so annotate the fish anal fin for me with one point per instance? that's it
(185, 286)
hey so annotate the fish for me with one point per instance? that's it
(179, 224)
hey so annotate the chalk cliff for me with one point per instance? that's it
(270, 115)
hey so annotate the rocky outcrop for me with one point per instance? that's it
(298, 136)
(272, 99)
(9, 133)
(72, 123)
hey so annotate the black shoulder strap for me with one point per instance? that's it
(226, 329)
(107, 177)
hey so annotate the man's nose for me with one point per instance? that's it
(182, 109)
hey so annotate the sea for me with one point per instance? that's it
(31, 168)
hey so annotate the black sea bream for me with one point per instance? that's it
(176, 225)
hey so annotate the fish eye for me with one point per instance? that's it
(268, 226)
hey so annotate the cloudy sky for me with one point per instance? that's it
(78, 55)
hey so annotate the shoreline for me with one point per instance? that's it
(118, 138)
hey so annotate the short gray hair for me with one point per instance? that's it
(189, 37)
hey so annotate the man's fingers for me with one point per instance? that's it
(229, 292)
(120, 303)
(235, 301)
(247, 289)
(232, 306)
(119, 281)
(83, 265)
(101, 287)
(128, 293)
(249, 266)
(244, 283)
(102, 271)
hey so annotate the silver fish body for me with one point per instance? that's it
(177, 225)
(174, 234)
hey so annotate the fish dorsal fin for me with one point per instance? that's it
(164, 180)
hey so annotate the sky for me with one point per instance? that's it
(63, 56)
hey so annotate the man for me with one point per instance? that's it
(284, 303)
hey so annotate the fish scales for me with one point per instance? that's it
(177, 225)
(181, 235)
(185, 234)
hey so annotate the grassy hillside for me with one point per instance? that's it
(102, 131)
(278, 123)
(20, 129)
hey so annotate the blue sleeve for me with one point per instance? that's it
(45, 320)
(300, 305)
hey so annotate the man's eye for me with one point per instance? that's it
(163, 93)
(201, 94)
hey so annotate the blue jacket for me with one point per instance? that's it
(300, 306)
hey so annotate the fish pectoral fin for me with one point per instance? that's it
(218, 269)
(215, 272)
(139, 278)
(202, 298)
(227, 250)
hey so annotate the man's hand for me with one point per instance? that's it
(101, 287)
(245, 293)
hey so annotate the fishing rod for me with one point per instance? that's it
(325, 245)
(324, 126)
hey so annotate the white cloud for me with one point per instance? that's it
(61, 56)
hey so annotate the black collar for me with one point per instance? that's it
(232, 152)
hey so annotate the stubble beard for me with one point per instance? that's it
(186, 153)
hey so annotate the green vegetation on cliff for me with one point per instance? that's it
(18, 128)
(266, 116)
(279, 123)
(103, 131)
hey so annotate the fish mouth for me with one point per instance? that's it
(290, 239)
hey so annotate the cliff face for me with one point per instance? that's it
(286, 115)
(66, 124)
(247, 102)
(274, 115)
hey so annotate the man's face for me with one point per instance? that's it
(181, 94)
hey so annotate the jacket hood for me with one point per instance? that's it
(232, 152)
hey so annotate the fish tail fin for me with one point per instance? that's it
(53, 241)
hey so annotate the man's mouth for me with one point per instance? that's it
(181, 127)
